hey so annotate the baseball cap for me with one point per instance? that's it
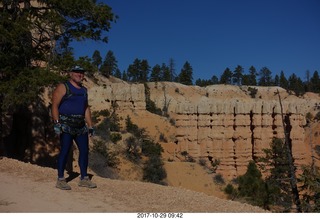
(77, 69)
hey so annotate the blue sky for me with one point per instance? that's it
(212, 35)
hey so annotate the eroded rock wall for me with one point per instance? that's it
(236, 132)
(227, 123)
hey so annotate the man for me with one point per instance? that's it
(72, 122)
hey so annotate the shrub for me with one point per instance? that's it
(153, 170)
(231, 191)
(103, 129)
(202, 162)
(101, 148)
(132, 149)
(253, 92)
(162, 138)
(317, 117)
(150, 148)
(218, 179)
(115, 137)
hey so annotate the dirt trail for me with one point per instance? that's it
(29, 188)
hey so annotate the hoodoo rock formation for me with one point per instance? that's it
(229, 123)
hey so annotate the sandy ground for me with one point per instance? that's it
(27, 188)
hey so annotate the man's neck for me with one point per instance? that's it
(75, 84)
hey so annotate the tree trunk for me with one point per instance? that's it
(293, 180)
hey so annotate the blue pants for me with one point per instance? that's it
(82, 141)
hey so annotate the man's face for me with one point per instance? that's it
(77, 76)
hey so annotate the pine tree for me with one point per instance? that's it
(172, 69)
(226, 76)
(185, 76)
(144, 71)
(315, 82)
(276, 81)
(118, 74)
(166, 75)
(283, 81)
(296, 85)
(238, 75)
(138, 71)
(252, 187)
(155, 73)
(278, 177)
(265, 77)
(252, 76)
(96, 59)
(109, 65)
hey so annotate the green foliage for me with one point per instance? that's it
(265, 77)
(110, 123)
(150, 105)
(139, 145)
(133, 149)
(96, 59)
(82, 19)
(253, 92)
(231, 191)
(96, 114)
(138, 71)
(103, 129)
(317, 149)
(215, 164)
(100, 147)
(218, 178)
(238, 75)
(202, 162)
(283, 82)
(162, 138)
(252, 187)
(309, 117)
(115, 137)
(204, 83)
(150, 148)
(114, 122)
(251, 78)
(154, 171)
(226, 76)
(296, 85)
(186, 74)
(160, 73)
(272, 191)
(278, 179)
(25, 87)
(134, 129)
(86, 63)
(187, 157)
(309, 180)
(317, 116)
(109, 65)
(20, 49)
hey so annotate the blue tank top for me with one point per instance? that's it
(75, 103)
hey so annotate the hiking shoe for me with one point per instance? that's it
(86, 182)
(62, 184)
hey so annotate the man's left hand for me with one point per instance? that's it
(91, 132)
